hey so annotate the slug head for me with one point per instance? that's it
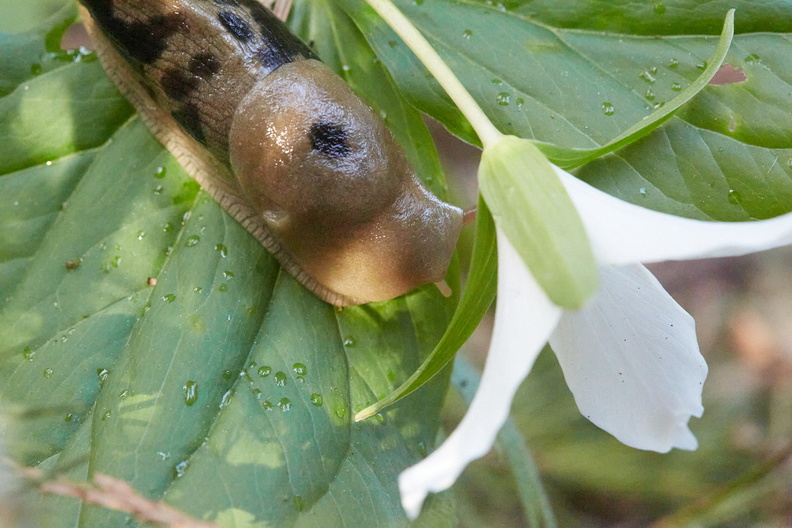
(335, 188)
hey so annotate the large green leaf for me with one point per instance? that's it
(579, 73)
(148, 336)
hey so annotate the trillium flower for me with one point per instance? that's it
(629, 355)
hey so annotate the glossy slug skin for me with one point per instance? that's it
(280, 141)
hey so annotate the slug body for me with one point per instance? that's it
(280, 141)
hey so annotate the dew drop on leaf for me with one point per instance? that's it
(190, 393)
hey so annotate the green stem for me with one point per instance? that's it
(486, 131)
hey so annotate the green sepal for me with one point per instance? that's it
(531, 206)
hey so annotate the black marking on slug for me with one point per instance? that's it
(204, 65)
(178, 85)
(271, 57)
(189, 117)
(235, 25)
(140, 40)
(329, 139)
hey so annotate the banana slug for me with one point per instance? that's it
(279, 141)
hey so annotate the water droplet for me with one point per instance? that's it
(163, 455)
(226, 398)
(222, 288)
(28, 354)
(106, 415)
(650, 95)
(418, 2)
(160, 172)
(647, 76)
(467, 34)
(48, 372)
(345, 67)
(169, 297)
(227, 374)
(264, 371)
(642, 191)
(141, 235)
(280, 379)
(608, 109)
(349, 342)
(673, 63)
(520, 102)
(752, 58)
(192, 241)
(659, 9)
(68, 418)
(101, 375)
(180, 469)
(35, 69)
(316, 399)
(702, 65)
(300, 369)
(284, 404)
(228, 275)
(72, 264)
(158, 190)
(266, 405)
(676, 87)
(220, 248)
(124, 394)
(190, 392)
(380, 418)
(497, 82)
(503, 99)
(197, 289)
(734, 197)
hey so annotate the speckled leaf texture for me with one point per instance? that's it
(146, 335)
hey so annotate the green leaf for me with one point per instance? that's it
(158, 342)
(476, 300)
(580, 73)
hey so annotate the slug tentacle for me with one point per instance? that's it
(280, 141)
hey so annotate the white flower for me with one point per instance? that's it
(630, 356)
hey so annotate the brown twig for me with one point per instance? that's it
(115, 494)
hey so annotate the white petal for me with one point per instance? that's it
(524, 319)
(631, 359)
(624, 233)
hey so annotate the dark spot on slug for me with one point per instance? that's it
(329, 139)
(235, 25)
(142, 40)
(271, 57)
(204, 65)
(189, 117)
(178, 85)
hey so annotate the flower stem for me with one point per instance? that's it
(486, 131)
